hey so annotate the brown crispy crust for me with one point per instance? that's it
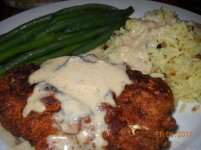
(14, 91)
(147, 102)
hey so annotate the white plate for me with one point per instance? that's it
(187, 121)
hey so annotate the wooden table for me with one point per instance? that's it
(192, 5)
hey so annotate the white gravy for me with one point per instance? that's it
(132, 47)
(13, 143)
(82, 85)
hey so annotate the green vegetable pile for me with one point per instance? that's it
(70, 31)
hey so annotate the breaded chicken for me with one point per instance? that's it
(14, 91)
(143, 110)
(142, 118)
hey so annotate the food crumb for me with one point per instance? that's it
(198, 56)
(182, 108)
(195, 108)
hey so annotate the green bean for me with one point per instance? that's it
(39, 42)
(117, 12)
(24, 27)
(70, 31)
(23, 37)
(96, 42)
(63, 52)
(72, 15)
(94, 24)
(79, 8)
(88, 19)
(25, 57)
(47, 18)
(25, 47)
(83, 48)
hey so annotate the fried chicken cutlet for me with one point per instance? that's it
(142, 110)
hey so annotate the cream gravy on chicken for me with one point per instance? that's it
(81, 85)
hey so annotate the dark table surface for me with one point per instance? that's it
(192, 5)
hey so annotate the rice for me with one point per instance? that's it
(178, 61)
(174, 49)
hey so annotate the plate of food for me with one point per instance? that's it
(87, 75)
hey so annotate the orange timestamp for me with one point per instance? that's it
(178, 134)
